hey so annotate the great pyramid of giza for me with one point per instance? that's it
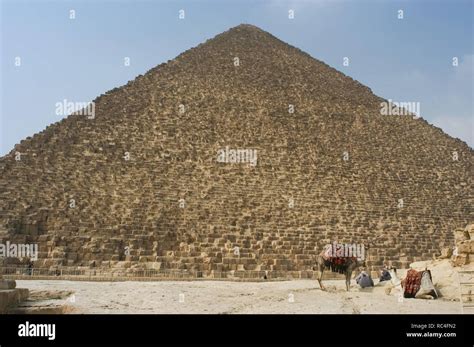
(243, 142)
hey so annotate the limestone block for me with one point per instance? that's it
(461, 235)
(7, 284)
(466, 246)
(12, 297)
(446, 253)
(470, 231)
(460, 260)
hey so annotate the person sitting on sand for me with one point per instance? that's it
(385, 275)
(364, 280)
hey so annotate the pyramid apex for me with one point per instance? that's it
(245, 26)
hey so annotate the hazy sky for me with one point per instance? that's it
(404, 60)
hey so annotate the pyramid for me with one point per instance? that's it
(241, 155)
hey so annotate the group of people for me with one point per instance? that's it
(364, 280)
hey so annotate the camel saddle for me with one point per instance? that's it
(336, 264)
(413, 282)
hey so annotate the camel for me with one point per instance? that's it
(426, 291)
(352, 264)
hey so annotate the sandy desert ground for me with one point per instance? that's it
(223, 297)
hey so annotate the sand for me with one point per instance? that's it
(223, 297)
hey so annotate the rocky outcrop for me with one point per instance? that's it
(463, 253)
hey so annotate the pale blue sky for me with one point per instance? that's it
(77, 60)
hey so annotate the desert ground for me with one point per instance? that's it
(225, 297)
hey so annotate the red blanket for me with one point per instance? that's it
(411, 284)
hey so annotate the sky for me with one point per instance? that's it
(408, 59)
